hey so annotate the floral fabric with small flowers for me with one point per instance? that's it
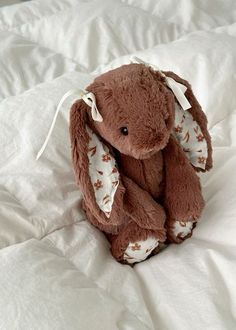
(103, 172)
(189, 134)
(138, 251)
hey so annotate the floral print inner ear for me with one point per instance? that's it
(103, 173)
(190, 137)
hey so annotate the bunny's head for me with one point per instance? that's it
(137, 110)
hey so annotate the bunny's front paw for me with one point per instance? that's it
(178, 231)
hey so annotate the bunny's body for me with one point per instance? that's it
(146, 173)
(158, 196)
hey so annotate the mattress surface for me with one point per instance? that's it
(56, 269)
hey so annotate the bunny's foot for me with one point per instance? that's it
(178, 231)
(140, 250)
(135, 244)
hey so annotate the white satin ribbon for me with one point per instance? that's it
(87, 97)
(90, 100)
(177, 88)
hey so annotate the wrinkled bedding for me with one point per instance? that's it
(56, 271)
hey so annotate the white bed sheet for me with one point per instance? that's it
(56, 269)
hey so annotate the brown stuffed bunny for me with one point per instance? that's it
(136, 165)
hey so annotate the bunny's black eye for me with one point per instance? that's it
(124, 130)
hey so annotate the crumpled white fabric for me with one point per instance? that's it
(49, 47)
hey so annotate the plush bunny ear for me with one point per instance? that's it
(94, 166)
(190, 129)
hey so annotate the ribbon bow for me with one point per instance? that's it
(87, 97)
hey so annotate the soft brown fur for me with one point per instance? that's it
(157, 182)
